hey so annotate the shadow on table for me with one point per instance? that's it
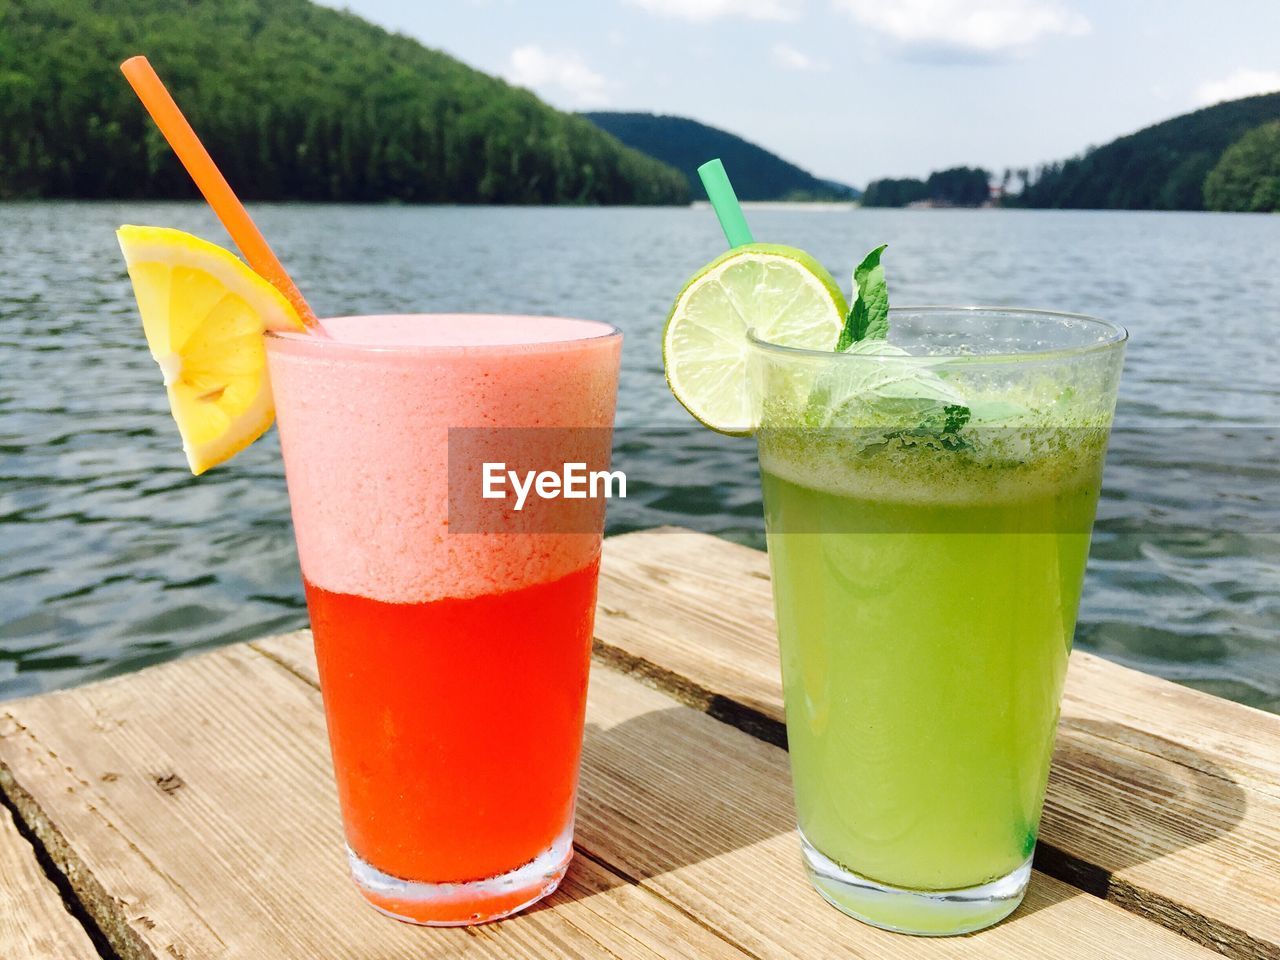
(1142, 798)
(666, 790)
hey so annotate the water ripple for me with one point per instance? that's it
(115, 558)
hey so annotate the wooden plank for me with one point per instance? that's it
(1164, 800)
(34, 924)
(1183, 725)
(192, 809)
(701, 814)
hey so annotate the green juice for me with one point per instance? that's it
(928, 518)
(924, 647)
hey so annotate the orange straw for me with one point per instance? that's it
(151, 91)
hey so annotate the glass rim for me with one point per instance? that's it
(1116, 336)
(308, 340)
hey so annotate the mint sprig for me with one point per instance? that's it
(868, 318)
(940, 426)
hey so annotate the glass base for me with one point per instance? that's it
(928, 913)
(466, 903)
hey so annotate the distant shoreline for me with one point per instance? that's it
(818, 206)
(826, 205)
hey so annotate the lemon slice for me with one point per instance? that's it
(781, 292)
(204, 313)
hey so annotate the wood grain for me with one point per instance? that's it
(701, 814)
(1162, 799)
(34, 924)
(192, 808)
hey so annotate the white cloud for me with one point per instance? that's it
(789, 58)
(701, 11)
(562, 77)
(1242, 83)
(976, 27)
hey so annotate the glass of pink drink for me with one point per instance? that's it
(453, 665)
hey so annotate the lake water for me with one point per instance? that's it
(113, 557)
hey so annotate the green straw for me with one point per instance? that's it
(725, 203)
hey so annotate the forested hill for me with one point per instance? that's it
(1160, 168)
(687, 144)
(294, 101)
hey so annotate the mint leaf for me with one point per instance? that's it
(855, 321)
(868, 318)
(873, 292)
(891, 392)
(939, 425)
(882, 397)
(956, 417)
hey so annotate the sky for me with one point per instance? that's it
(859, 89)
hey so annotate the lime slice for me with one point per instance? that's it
(782, 293)
(204, 313)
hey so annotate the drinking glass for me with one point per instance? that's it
(453, 658)
(928, 507)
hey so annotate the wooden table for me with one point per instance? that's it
(188, 811)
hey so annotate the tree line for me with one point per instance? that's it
(295, 102)
(1223, 157)
(1247, 178)
(686, 144)
(956, 187)
(1167, 166)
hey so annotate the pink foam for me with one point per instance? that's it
(364, 420)
(459, 330)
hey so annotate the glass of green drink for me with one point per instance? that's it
(928, 505)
